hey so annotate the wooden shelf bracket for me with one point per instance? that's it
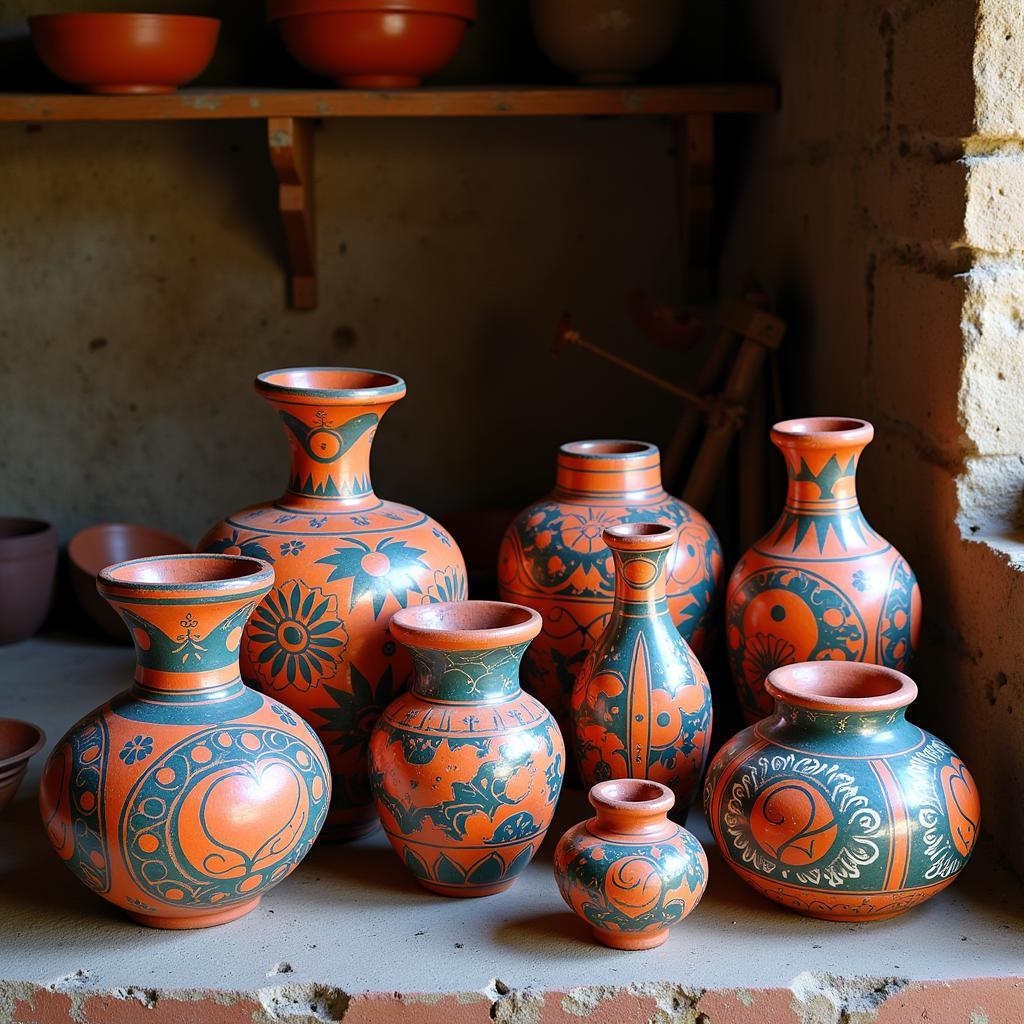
(291, 153)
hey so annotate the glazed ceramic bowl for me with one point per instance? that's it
(28, 573)
(373, 44)
(91, 550)
(125, 53)
(605, 41)
(19, 741)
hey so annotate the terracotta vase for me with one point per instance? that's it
(641, 706)
(28, 576)
(466, 768)
(836, 806)
(554, 559)
(188, 796)
(344, 560)
(629, 872)
(821, 584)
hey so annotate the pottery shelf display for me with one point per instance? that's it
(125, 54)
(821, 584)
(836, 806)
(641, 704)
(373, 44)
(28, 576)
(345, 561)
(466, 768)
(187, 797)
(553, 558)
(629, 872)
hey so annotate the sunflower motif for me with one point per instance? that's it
(585, 531)
(765, 652)
(301, 635)
(388, 569)
(449, 585)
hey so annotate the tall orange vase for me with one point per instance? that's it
(821, 585)
(345, 561)
(188, 796)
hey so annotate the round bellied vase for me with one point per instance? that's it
(344, 560)
(821, 585)
(188, 796)
(554, 559)
(629, 872)
(835, 805)
(641, 705)
(466, 768)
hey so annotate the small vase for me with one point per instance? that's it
(344, 561)
(629, 872)
(553, 558)
(821, 585)
(185, 798)
(836, 806)
(641, 706)
(466, 768)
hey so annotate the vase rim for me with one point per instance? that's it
(184, 574)
(647, 536)
(22, 536)
(32, 740)
(852, 686)
(465, 625)
(823, 432)
(643, 796)
(603, 448)
(346, 385)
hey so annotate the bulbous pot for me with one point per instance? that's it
(821, 585)
(835, 805)
(466, 768)
(554, 559)
(187, 797)
(344, 561)
(629, 872)
(641, 706)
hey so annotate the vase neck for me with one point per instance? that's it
(797, 720)
(631, 810)
(467, 676)
(615, 472)
(640, 552)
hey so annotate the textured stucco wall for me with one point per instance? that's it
(883, 206)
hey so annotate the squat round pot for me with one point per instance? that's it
(466, 768)
(629, 872)
(554, 559)
(185, 798)
(28, 576)
(821, 585)
(835, 805)
(345, 561)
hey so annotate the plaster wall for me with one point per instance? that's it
(882, 206)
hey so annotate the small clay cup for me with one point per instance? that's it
(19, 741)
(91, 550)
(28, 573)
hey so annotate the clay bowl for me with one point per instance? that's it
(125, 53)
(373, 44)
(28, 574)
(18, 742)
(91, 550)
(605, 41)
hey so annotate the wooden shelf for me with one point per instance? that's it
(225, 104)
(289, 113)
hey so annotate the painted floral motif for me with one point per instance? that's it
(235, 543)
(292, 547)
(764, 653)
(286, 716)
(297, 637)
(389, 568)
(348, 721)
(449, 585)
(137, 749)
(861, 581)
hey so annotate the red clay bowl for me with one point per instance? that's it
(18, 742)
(125, 53)
(373, 44)
(91, 550)
(28, 575)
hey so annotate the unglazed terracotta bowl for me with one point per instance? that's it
(19, 741)
(91, 550)
(373, 44)
(125, 53)
(28, 572)
(605, 41)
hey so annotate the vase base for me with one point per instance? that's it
(630, 941)
(348, 833)
(465, 891)
(209, 919)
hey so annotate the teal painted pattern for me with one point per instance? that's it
(326, 445)
(460, 676)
